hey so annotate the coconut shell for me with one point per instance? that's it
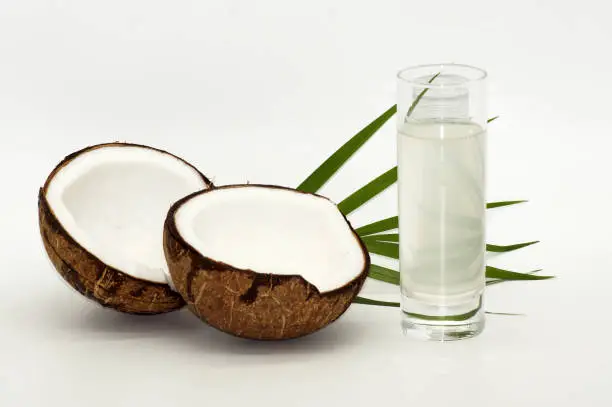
(90, 276)
(251, 304)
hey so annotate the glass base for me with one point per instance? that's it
(442, 323)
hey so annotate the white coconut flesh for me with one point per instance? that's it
(272, 230)
(113, 201)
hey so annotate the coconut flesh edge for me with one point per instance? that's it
(113, 201)
(276, 231)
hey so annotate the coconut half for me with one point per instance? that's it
(264, 262)
(101, 214)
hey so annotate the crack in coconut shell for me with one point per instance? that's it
(91, 277)
(249, 304)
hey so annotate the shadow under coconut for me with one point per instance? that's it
(113, 324)
(184, 329)
(87, 320)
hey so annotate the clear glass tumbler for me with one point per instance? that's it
(441, 146)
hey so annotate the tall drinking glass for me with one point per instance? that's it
(441, 144)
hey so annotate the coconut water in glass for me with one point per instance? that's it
(441, 152)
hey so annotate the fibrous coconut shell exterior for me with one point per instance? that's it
(251, 304)
(90, 276)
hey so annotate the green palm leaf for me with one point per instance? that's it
(492, 205)
(378, 226)
(384, 274)
(394, 237)
(393, 222)
(497, 273)
(391, 250)
(367, 301)
(502, 249)
(384, 249)
(420, 96)
(369, 191)
(390, 237)
(325, 171)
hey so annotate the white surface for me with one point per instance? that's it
(276, 231)
(114, 200)
(262, 92)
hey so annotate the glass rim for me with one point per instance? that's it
(479, 75)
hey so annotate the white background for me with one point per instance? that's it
(263, 92)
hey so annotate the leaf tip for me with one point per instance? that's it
(539, 276)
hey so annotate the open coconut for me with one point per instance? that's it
(264, 262)
(101, 214)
